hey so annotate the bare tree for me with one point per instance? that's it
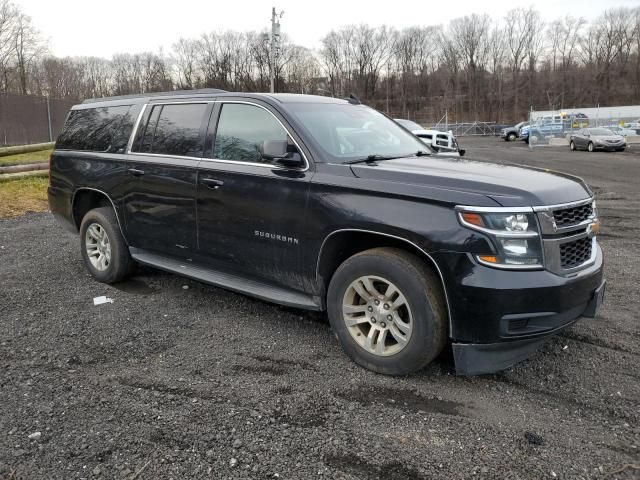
(27, 48)
(8, 21)
(518, 33)
(185, 56)
(470, 37)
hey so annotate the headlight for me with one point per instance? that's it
(515, 236)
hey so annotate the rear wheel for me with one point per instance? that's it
(590, 147)
(104, 251)
(388, 311)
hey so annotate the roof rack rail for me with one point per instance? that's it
(198, 91)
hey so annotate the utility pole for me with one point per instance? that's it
(275, 45)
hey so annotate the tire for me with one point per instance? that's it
(620, 149)
(511, 137)
(572, 146)
(590, 147)
(423, 309)
(119, 264)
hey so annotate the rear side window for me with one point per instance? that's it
(242, 129)
(104, 129)
(173, 130)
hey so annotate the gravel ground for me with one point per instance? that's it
(177, 379)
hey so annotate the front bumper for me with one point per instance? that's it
(481, 358)
(499, 317)
(608, 147)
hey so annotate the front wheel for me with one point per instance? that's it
(590, 147)
(511, 137)
(572, 146)
(104, 250)
(388, 311)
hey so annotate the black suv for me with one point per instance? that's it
(326, 204)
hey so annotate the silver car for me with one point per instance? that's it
(592, 139)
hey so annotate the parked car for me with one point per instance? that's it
(326, 204)
(442, 143)
(618, 130)
(592, 139)
(635, 126)
(511, 134)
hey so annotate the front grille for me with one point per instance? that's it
(573, 215)
(573, 254)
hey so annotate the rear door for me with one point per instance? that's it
(160, 199)
(251, 211)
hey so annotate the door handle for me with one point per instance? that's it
(135, 172)
(212, 183)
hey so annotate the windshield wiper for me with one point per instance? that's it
(422, 153)
(369, 159)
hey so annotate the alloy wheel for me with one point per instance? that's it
(377, 315)
(98, 247)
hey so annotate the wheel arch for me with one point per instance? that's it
(344, 243)
(88, 198)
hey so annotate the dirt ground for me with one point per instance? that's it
(178, 379)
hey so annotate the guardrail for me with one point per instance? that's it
(34, 147)
(25, 167)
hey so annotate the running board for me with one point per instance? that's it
(229, 281)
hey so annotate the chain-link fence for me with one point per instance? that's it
(28, 119)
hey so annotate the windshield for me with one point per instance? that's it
(350, 132)
(600, 131)
(408, 124)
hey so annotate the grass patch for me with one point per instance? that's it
(23, 195)
(23, 158)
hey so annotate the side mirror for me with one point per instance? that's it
(276, 151)
(272, 149)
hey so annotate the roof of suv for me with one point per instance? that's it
(209, 92)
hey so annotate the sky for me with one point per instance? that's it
(104, 27)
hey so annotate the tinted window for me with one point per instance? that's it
(105, 129)
(241, 131)
(173, 130)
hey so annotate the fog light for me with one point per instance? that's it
(515, 247)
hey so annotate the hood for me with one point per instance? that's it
(508, 185)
